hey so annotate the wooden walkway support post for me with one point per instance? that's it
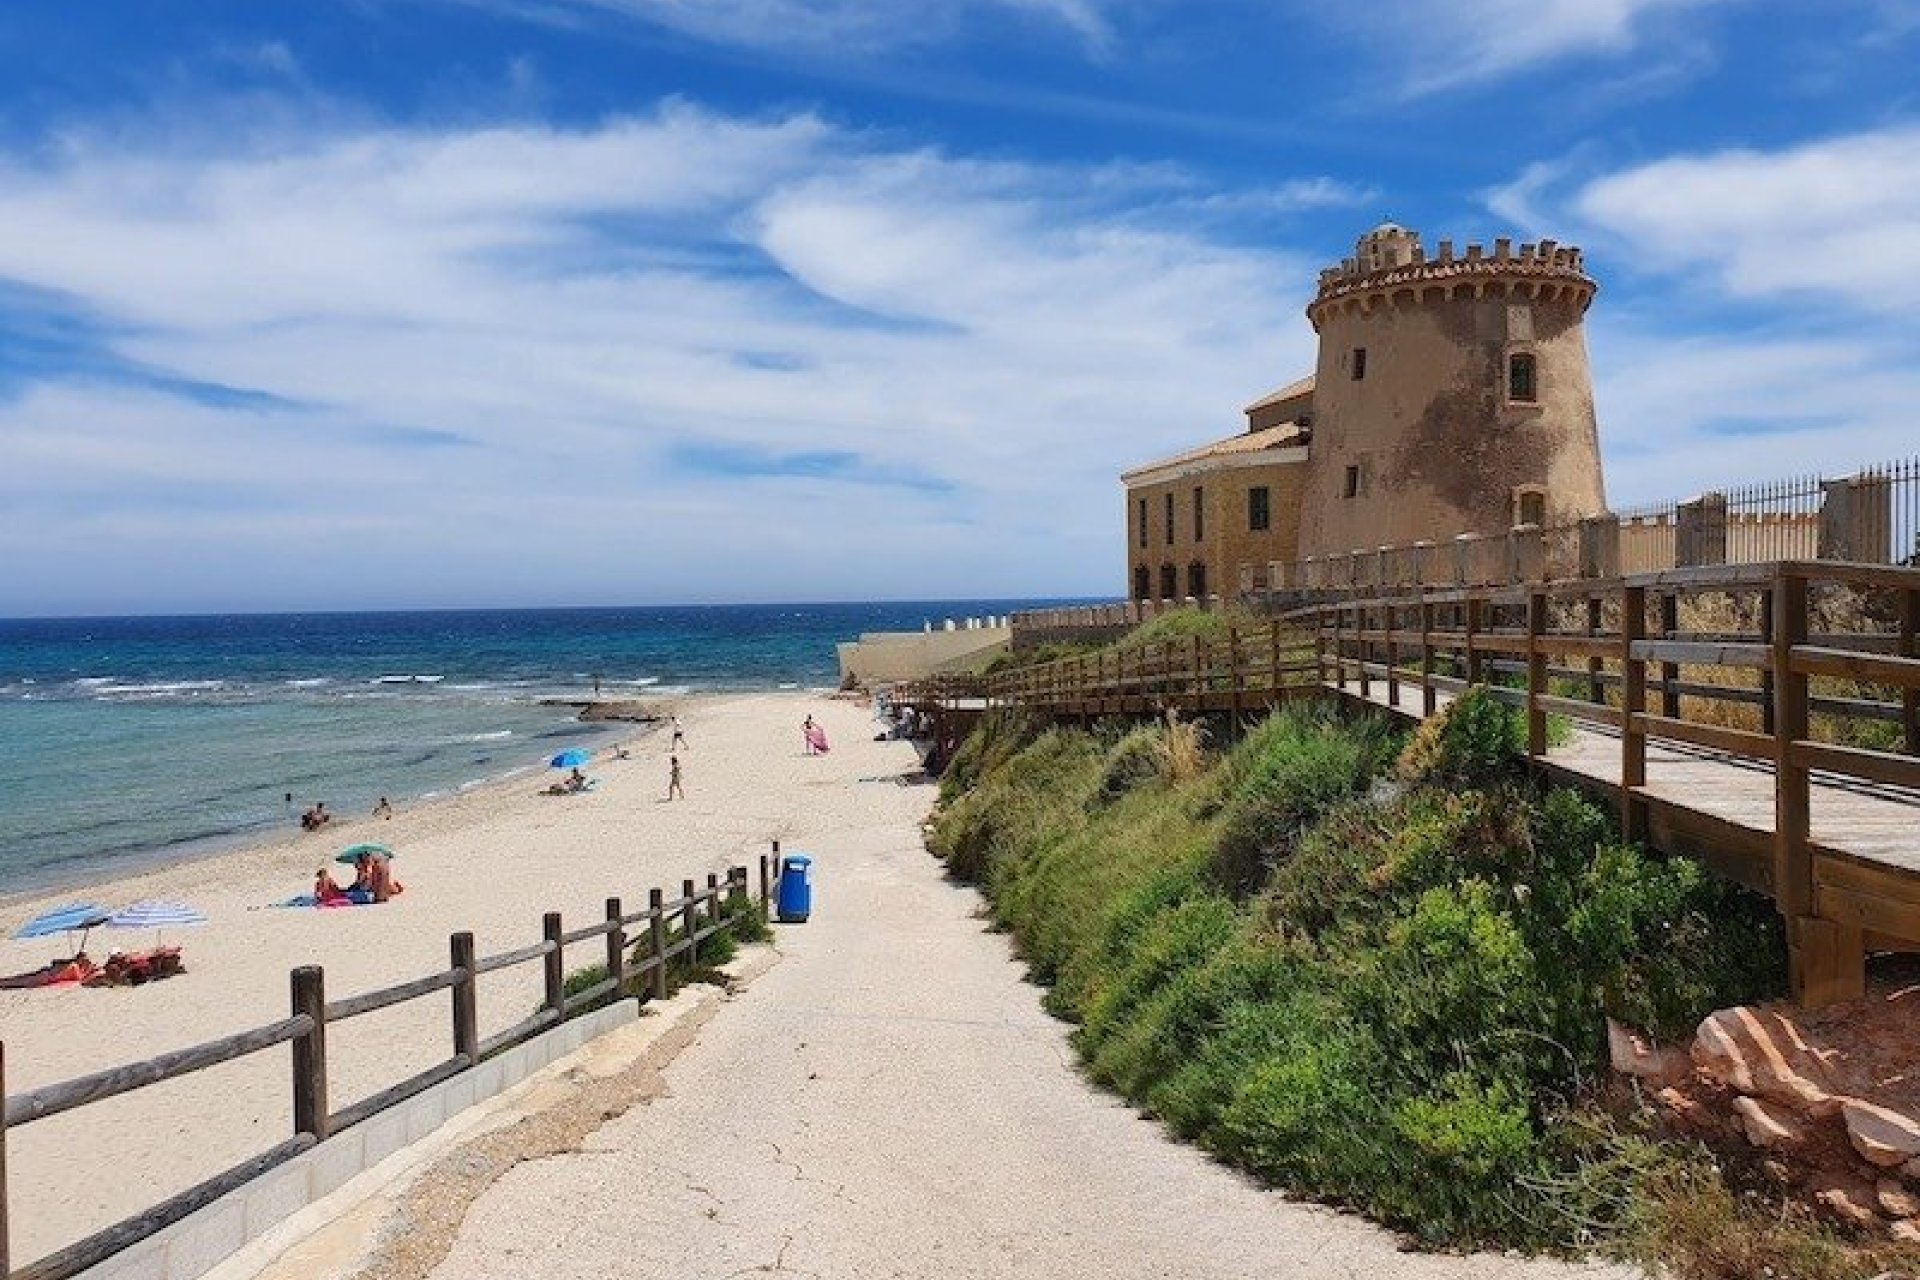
(765, 884)
(1596, 687)
(616, 949)
(1362, 618)
(1633, 704)
(310, 1112)
(1910, 648)
(1476, 622)
(1670, 671)
(657, 932)
(1393, 657)
(555, 967)
(466, 998)
(713, 898)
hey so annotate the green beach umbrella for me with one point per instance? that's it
(355, 852)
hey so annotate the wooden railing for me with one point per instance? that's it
(1799, 667)
(700, 912)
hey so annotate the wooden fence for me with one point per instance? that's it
(700, 914)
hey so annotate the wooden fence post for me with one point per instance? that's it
(1669, 671)
(466, 1001)
(1233, 666)
(1393, 657)
(1339, 646)
(657, 931)
(1475, 622)
(1362, 618)
(1596, 687)
(1910, 648)
(1429, 696)
(690, 923)
(1767, 720)
(1536, 673)
(1633, 702)
(713, 898)
(765, 886)
(1273, 663)
(616, 949)
(310, 1113)
(555, 966)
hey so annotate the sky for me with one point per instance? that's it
(445, 303)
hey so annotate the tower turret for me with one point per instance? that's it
(1452, 393)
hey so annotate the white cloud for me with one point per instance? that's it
(499, 364)
(1833, 217)
(834, 27)
(1445, 44)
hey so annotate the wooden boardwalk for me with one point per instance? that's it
(1764, 718)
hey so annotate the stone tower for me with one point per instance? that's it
(1452, 394)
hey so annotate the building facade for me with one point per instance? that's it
(1451, 395)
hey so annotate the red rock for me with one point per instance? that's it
(1884, 1136)
(1762, 1055)
(1847, 1200)
(1634, 1054)
(1907, 1231)
(1768, 1124)
(1896, 1198)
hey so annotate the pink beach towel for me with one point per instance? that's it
(817, 739)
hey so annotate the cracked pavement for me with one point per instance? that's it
(890, 1101)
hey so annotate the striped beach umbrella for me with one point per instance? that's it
(154, 914)
(78, 915)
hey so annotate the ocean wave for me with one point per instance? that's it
(406, 679)
(313, 682)
(159, 689)
(494, 736)
(644, 682)
(94, 682)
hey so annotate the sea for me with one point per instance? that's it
(126, 742)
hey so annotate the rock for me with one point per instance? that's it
(1906, 1231)
(1760, 1054)
(1912, 1169)
(1633, 1054)
(1896, 1198)
(1769, 1124)
(1686, 1111)
(1884, 1136)
(1782, 1173)
(1846, 1200)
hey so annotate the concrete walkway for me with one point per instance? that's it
(889, 1100)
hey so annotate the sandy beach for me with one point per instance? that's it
(491, 861)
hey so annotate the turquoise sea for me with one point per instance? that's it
(126, 740)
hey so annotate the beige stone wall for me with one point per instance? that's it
(1440, 449)
(1227, 543)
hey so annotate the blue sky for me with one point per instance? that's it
(396, 303)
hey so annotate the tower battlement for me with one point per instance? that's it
(1390, 261)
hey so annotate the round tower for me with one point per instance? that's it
(1452, 394)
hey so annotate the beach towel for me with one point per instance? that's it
(817, 738)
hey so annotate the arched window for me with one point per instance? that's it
(1530, 505)
(1142, 582)
(1522, 379)
(1197, 580)
(1169, 582)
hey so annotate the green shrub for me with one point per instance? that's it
(1133, 761)
(1475, 737)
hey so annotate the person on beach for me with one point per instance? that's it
(383, 809)
(679, 736)
(674, 791)
(325, 891)
(806, 734)
(576, 781)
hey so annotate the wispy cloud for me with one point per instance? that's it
(448, 360)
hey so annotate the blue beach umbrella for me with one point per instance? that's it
(155, 915)
(355, 852)
(79, 915)
(571, 758)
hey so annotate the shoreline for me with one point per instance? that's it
(44, 883)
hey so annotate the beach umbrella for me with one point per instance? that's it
(571, 758)
(354, 852)
(154, 914)
(78, 915)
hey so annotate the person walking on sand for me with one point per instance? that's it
(383, 810)
(806, 734)
(679, 736)
(673, 779)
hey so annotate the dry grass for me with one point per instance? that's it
(1183, 748)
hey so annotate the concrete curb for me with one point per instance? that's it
(243, 1232)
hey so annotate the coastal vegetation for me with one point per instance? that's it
(1376, 969)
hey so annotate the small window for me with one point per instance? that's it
(1530, 507)
(1169, 517)
(1259, 510)
(1142, 582)
(1197, 580)
(1199, 518)
(1169, 582)
(1352, 489)
(1359, 363)
(1521, 383)
(1143, 526)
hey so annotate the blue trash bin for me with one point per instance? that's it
(796, 889)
